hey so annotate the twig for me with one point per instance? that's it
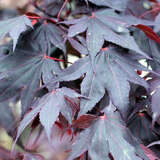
(63, 6)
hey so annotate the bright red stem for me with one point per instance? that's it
(32, 17)
(52, 58)
(55, 59)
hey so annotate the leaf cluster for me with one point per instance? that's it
(102, 106)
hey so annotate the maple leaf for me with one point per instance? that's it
(48, 107)
(106, 25)
(14, 27)
(49, 35)
(22, 72)
(113, 72)
(116, 4)
(108, 135)
(118, 135)
(115, 92)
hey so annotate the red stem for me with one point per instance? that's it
(55, 59)
(63, 6)
(32, 17)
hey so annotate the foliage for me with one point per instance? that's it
(105, 105)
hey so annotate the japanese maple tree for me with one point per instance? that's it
(105, 105)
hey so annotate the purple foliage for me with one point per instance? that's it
(103, 106)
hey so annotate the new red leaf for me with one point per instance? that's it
(84, 121)
(149, 32)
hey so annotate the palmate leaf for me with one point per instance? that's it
(49, 35)
(108, 135)
(46, 114)
(106, 25)
(48, 107)
(119, 136)
(14, 27)
(116, 4)
(23, 70)
(113, 72)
